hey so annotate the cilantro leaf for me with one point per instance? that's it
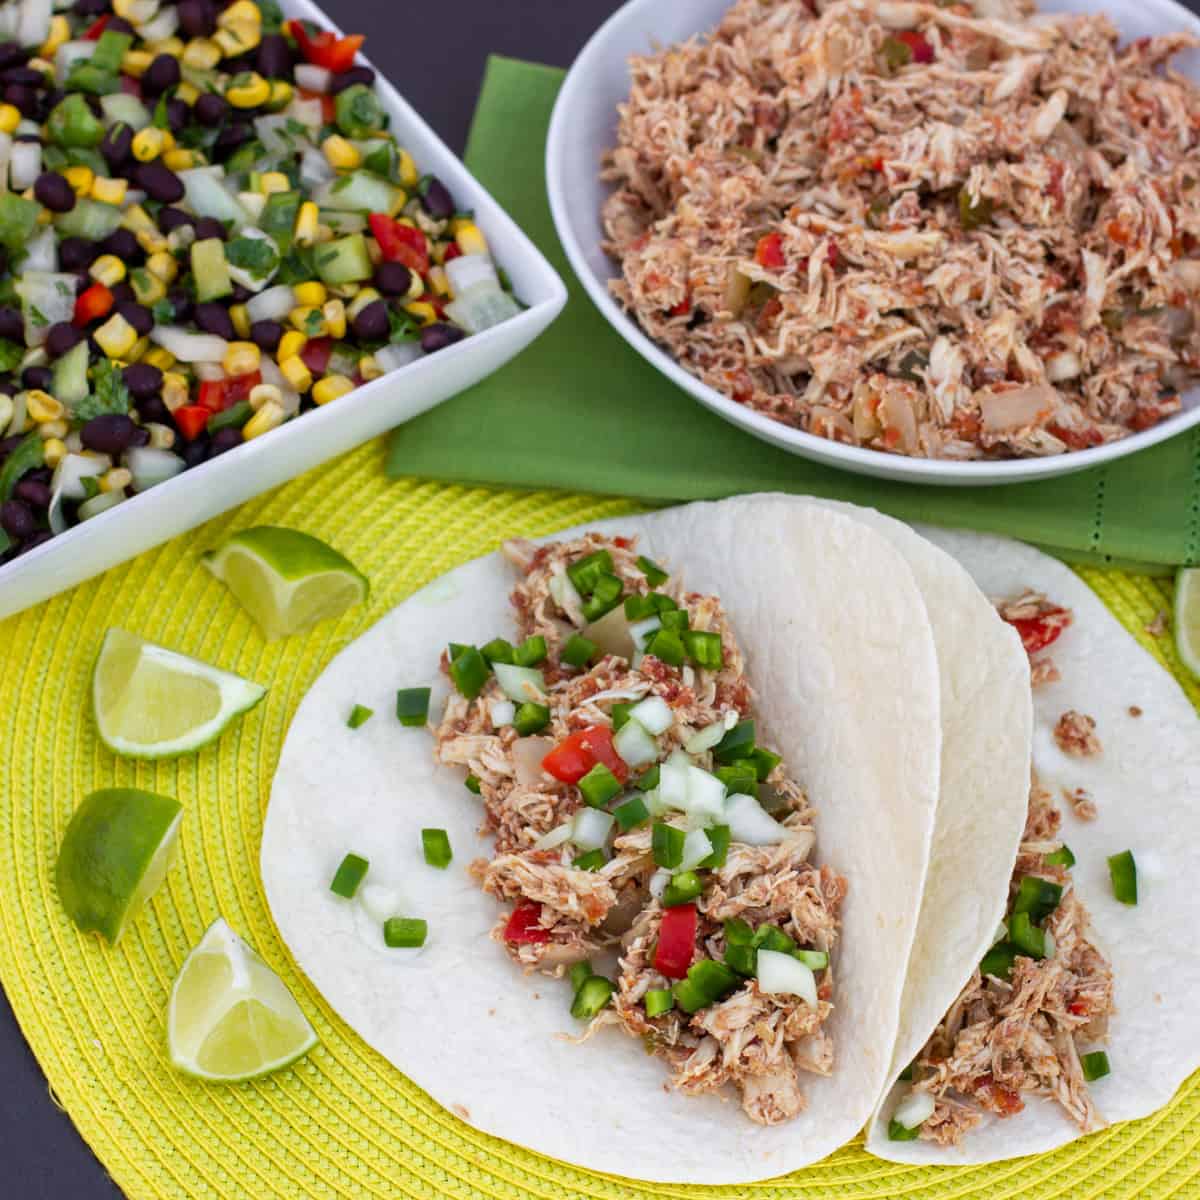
(163, 312)
(109, 393)
(254, 255)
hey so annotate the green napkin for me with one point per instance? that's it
(580, 410)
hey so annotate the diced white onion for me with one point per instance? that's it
(315, 169)
(398, 354)
(41, 253)
(556, 836)
(705, 794)
(307, 112)
(312, 78)
(635, 745)
(122, 107)
(590, 828)
(654, 803)
(274, 376)
(25, 165)
(641, 630)
(706, 738)
(255, 204)
(914, 1110)
(207, 195)
(750, 824)
(209, 372)
(611, 631)
(98, 504)
(503, 712)
(782, 975)
(140, 12)
(271, 305)
(696, 848)
(52, 295)
(565, 595)
(481, 308)
(190, 347)
(67, 484)
(522, 684)
(658, 882)
(33, 26)
(1049, 943)
(67, 55)
(162, 27)
(470, 270)
(653, 714)
(149, 466)
(673, 782)
(527, 753)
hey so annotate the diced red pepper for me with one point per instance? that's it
(676, 941)
(219, 394)
(769, 252)
(92, 304)
(316, 354)
(1043, 630)
(524, 926)
(191, 420)
(578, 753)
(131, 86)
(97, 27)
(401, 243)
(922, 51)
(326, 49)
(451, 252)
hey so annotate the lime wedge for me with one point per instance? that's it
(286, 580)
(113, 857)
(230, 1017)
(1187, 617)
(151, 702)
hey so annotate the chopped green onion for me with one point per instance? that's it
(666, 646)
(1122, 870)
(676, 620)
(704, 649)
(585, 573)
(655, 575)
(739, 777)
(530, 652)
(472, 784)
(764, 763)
(737, 743)
(531, 718)
(579, 974)
(593, 995)
(468, 671)
(578, 651)
(632, 813)
(1037, 897)
(707, 981)
(412, 705)
(815, 960)
(1026, 936)
(1060, 858)
(620, 714)
(348, 876)
(593, 860)
(667, 844)
(659, 1001)
(682, 889)
(436, 845)
(999, 960)
(902, 1133)
(405, 933)
(648, 779)
(1095, 1065)
(359, 716)
(719, 836)
(498, 650)
(639, 607)
(605, 597)
(599, 786)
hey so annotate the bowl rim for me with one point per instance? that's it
(576, 95)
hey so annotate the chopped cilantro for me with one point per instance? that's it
(163, 312)
(109, 393)
(258, 256)
(404, 327)
(90, 485)
(314, 323)
(37, 317)
(10, 355)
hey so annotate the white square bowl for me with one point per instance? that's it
(205, 491)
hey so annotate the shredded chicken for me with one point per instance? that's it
(1081, 802)
(1075, 734)
(962, 231)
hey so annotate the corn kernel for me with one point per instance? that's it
(148, 144)
(60, 32)
(108, 269)
(343, 155)
(53, 452)
(41, 406)
(369, 368)
(237, 39)
(409, 175)
(172, 46)
(269, 417)
(290, 345)
(109, 191)
(242, 358)
(398, 205)
(6, 411)
(274, 181)
(241, 12)
(311, 293)
(148, 289)
(282, 94)
(188, 92)
(132, 10)
(138, 350)
(334, 312)
(344, 291)
(265, 393)
(423, 311)
(470, 239)
(363, 297)
(179, 159)
(201, 54)
(296, 373)
(162, 437)
(164, 360)
(53, 429)
(10, 118)
(152, 242)
(373, 252)
(439, 281)
(116, 336)
(307, 219)
(308, 320)
(115, 479)
(80, 179)
(174, 390)
(248, 90)
(163, 266)
(135, 218)
(324, 234)
(331, 388)
(241, 320)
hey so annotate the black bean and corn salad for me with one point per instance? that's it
(206, 229)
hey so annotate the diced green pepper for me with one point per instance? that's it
(531, 718)
(71, 123)
(599, 786)
(358, 111)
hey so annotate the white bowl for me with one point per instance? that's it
(584, 126)
(205, 491)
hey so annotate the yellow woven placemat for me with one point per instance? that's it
(343, 1123)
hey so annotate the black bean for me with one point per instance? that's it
(141, 437)
(91, 8)
(393, 278)
(24, 99)
(123, 293)
(8, 385)
(170, 219)
(61, 338)
(439, 336)
(233, 136)
(123, 244)
(38, 539)
(197, 18)
(83, 281)
(210, 109)
(11, 53)
(181, 302)
(161, 74)
(266, 335)
(159, 182)
(17, 519)
(372, 324)
(179, 113)
(437, 200)
(119, 25)
(240, 294)
(37, 377)
(40, 475)
(9, 444)
(274, 58)
(209, 227)
(11, 325)
(214, 318)
(224, 439)
(35, 492)
(143, 380)
(117, 145)
(195, 452)
(76, 254)
(52, 190)
(363, 75)
(138, 315)
(152, 408)
(29, 76)
(110, 433)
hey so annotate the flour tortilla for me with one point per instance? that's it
(841, 656)
(1144, 784)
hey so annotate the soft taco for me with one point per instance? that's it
(705, 756)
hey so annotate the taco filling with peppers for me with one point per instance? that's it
(637, 815)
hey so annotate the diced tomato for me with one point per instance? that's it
(683, 307)
(676, 941)
(579, 752)
(1043, 630)
(316, 354)
(833, 256)
(922, 51)
(92, 304)
(97, 28)
(219, 394)
(1077, 439)
(623, 543)
(326, 49)
(1001, 1100)
(523, 926)
(769, 251)
(191, 420)
(401, 243)
(1079, 1008)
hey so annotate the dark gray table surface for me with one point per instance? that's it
(438, 69)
